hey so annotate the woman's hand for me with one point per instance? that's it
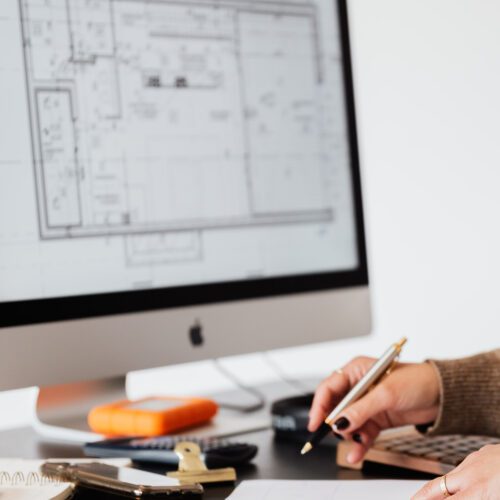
(476, 478)
(408, 395)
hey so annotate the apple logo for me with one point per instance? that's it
(196, 334)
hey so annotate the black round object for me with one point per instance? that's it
(290, 417)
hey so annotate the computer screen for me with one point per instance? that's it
(166, 150)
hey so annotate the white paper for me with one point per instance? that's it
(326, 490)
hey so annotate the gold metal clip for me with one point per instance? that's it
(193, 470)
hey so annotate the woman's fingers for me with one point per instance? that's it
(363, 438)
(328, 394)
(469, 494)
(434, 489)
(335, 387)
(355, 416)
(475, 478)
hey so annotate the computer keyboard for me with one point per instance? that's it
(409, 449)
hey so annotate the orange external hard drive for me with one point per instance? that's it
(150, 416)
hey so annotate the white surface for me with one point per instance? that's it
(325, 490)
(428, 74)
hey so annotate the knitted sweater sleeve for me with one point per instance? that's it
(470, 395)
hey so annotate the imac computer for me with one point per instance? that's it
(179, 180)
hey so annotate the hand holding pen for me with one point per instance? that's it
(409, 395)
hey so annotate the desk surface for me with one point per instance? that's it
(275, 460)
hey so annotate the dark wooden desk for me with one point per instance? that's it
(275, 460)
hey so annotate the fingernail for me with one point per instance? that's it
(338, 436)
(342, 424)
(357, 437)
(350, 458)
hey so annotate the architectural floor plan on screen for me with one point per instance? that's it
(210, 133)
(167, 115)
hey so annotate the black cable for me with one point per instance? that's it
(259, 396)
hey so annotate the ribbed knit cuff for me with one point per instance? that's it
(470, 395)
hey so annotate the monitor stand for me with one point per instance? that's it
(61, 411)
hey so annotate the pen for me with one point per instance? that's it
(371, 377)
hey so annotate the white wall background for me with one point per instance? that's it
(428, 81)
(428, 98)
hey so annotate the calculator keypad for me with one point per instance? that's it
(169, 442)
(450, 449)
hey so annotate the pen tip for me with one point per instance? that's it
(307, 447)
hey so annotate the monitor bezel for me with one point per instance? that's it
(36, 311)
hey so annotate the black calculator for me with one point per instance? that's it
(216, 452)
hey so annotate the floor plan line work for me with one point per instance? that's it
(109, 79)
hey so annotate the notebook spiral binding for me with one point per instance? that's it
(31, 479)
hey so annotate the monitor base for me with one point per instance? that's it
(232, 422)
(61, 410)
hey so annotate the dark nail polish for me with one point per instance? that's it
(342, 424)
(338, 436)
(357, 437)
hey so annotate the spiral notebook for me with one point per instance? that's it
(21, 479)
